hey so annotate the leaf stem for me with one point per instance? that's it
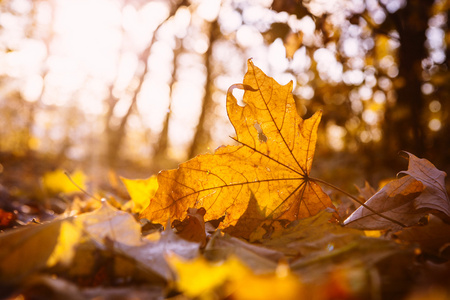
(356, 200)
(79, 187)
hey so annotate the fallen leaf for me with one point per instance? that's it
(435, 195)
(232, 278)
(112, 224)
(307, 236)
(141, 191)
(151, 255)
(259, 259)
(49, 287)
(69, 236)
(131, 292)
(341, 283)
(27, 249)
(52, 287)
(6, 218)
(192, 228)
(433, 238)
(366, 192)
(281, 285)
(119, 234)
(272, 161)
(405, 200)
(58, 182)
(200, 278)
(395, 200)
(361, 252)
(346, 206)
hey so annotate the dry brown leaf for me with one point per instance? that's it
(26, 250)
(192, 228)
(433, 238)
(313, 234)
(109, 223)
(405, 200)
(258, 258)
(434, 196)
(366, 192)
(272, 161)
(151, 255)
(394, 200)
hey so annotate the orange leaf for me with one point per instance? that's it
(6, 218)
(272, 162)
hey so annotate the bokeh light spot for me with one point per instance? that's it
(435, 125)
(434, 106)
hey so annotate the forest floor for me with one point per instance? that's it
(46, 254)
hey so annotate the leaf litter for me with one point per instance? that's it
(247, 222)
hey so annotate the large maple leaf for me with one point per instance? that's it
(271, 163)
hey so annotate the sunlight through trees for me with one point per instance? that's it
(145, 81)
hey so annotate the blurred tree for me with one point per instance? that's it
(392, 48)
(116, 134)
(405, 124)
(201, 136)
(378, 69)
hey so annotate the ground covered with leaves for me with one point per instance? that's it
(247, 222)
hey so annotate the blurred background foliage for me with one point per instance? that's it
(142, 84)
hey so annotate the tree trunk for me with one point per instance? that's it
(404, 123)
(115, 137)
(201, 136)
(160, 150)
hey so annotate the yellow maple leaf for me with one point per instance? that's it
(141, 191)
(69, 236)
(271, 163)
(199, 278)
(268, 287)
(57, 182)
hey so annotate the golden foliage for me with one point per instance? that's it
(58, 182)
(271, 163)
(141, 191)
